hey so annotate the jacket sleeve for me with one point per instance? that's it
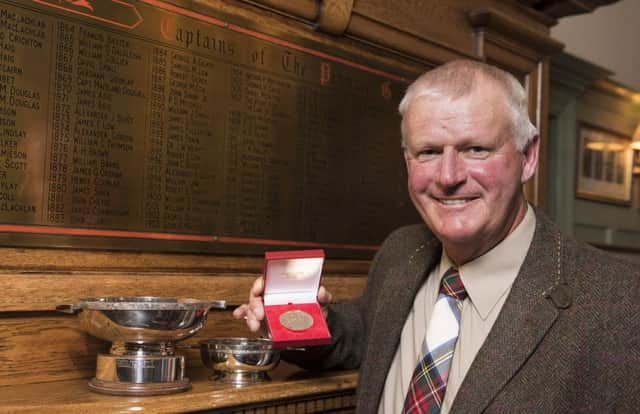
(347, 336)
(349, 322)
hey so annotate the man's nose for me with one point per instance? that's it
(452, 168)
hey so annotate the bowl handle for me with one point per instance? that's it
(218, 304)
(68, 308)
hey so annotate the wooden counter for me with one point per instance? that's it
(291, 390)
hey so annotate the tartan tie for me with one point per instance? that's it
(429, 381)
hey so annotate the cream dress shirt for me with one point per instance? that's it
(488, 280)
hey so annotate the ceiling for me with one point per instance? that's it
(608, 37)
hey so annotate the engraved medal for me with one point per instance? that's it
(296, 320)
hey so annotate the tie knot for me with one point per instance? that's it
(451, 284)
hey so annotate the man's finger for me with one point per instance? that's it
(253, 322)
(240, 312)
(257, 289)
(324, 296)
(256, 306)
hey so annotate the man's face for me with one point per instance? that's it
(465, 174)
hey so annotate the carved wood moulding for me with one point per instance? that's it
(562, 8)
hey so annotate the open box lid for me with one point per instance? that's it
(292, 276)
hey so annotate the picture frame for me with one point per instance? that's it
(636, 162)
(604, 165)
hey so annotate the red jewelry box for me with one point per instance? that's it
(292, 311)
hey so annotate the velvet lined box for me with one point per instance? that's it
(293, 314)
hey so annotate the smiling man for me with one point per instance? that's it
(465, 157)
(487, 307)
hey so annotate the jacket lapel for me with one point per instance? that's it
(399, 293)
(524, 320)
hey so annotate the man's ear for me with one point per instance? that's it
(530, 160)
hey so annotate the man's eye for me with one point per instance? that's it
(427, 154)
(477, 152)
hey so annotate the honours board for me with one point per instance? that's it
(149, 125)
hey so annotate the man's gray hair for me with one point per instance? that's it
(457, 79)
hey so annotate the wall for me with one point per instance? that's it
(606, 37)
(582, 94)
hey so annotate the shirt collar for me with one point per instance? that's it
(490, 276)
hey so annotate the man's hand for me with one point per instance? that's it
(253, 311)
(324, 299)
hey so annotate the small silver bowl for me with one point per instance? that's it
(239, 361)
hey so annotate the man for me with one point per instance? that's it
(545, 324)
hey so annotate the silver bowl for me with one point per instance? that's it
(141, 320)
(239, 360)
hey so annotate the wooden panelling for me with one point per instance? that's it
(562, 8)
(421, 30)
(33, 260)
(407, 44)
(42, 292)
(305, 9)
(496, 21)
(297, 18)
(39, 348)
(332, 403)
(442, 22)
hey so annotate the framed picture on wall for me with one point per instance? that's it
(605, 162)
(636, 162)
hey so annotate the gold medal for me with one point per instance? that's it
(296, 320)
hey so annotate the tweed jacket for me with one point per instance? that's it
(567, 339)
